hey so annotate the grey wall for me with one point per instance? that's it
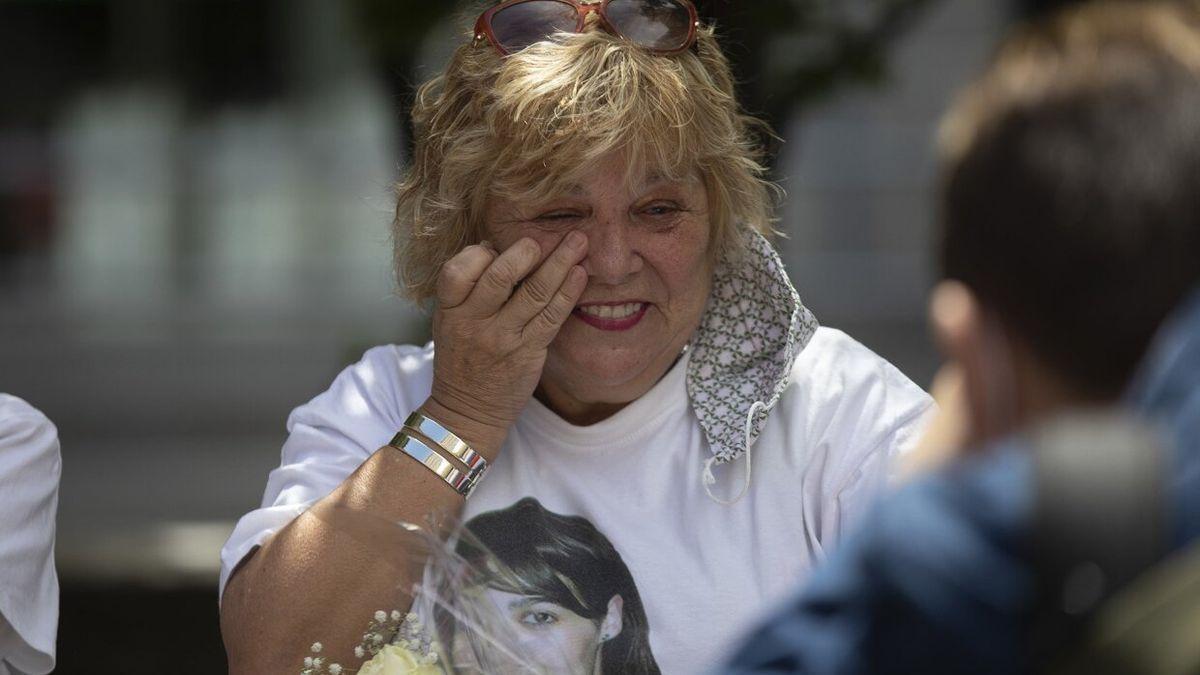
(860, 172)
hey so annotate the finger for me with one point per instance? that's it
(539, 289)
(544, 326)
(496, 285)
(460, 273)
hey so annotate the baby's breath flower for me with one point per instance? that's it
(359, 652)
(308, 662)
(317, 647)
(335, 669)
(395, 615)
(381, 616)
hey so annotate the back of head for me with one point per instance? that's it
(1071, 196)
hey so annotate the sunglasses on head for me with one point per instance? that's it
(662, 26)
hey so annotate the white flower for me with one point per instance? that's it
(358, 651)
(411, 617)
(392, 660)
(308, 662)
(381, 616)
(395, 615)
(335, 669)
(317, 647)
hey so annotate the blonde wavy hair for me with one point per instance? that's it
(528, 125)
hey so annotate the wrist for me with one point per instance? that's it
(484, 436)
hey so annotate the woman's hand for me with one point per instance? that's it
(495, 318)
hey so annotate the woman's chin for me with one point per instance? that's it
(601, 374)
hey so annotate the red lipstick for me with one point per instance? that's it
(612, 316)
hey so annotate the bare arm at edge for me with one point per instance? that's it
(315, 581)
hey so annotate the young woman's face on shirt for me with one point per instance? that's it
(546, 637)
(648, 277)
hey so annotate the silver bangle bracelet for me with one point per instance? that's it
(463, 482)
(436, 432)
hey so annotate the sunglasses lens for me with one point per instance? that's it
(658, 24)
(521, 25)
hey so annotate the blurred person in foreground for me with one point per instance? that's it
(1070, 251)
(585, 213)
(30, 467)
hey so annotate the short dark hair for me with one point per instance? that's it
(1071, 186)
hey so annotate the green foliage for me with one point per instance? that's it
(791, 53)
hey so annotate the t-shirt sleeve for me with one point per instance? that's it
(934, 581)
(330, 437)
(864, 414)
(858, 492)
(30, 468)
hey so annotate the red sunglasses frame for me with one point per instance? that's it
(483, 25)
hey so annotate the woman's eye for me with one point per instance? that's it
(539, 618)
(662, 216)
(557, 216)
(660, 210)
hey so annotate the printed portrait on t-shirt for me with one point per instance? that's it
(547, 593)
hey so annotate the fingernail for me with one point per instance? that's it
(575, 239)
(487, 244)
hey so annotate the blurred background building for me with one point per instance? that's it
(194, 206)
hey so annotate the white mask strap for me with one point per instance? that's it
(709, 479)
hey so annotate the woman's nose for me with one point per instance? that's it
(612, 257)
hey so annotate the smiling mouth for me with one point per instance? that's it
(612, 316)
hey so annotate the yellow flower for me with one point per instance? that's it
(395, 660)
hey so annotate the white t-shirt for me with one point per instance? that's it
(30, 466)
(702, 569)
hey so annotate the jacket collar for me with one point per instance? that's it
(1166, 391)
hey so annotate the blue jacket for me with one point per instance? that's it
(939, 578)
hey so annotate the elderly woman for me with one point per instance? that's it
(585, 214)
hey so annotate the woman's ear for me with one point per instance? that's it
(612, 624)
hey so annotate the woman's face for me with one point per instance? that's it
(648, 280)
(544, 636)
